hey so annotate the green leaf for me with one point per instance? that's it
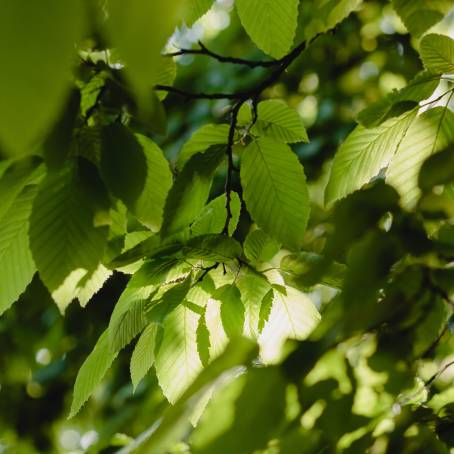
(437, 53)
(275, 190)
(306, 269)
(232, 310)
(251, 401)
(171, 298)
(16, 263)
(90, 92)
(253, 287)
(63, 239)
(90, 284)
(431, 131)
(212, 218)
(277, 120)
(419, 15)
(166, 75)
(92, 372)
(215, 248)
(203, 341)
(271, 24)
(364, 153)
(418, 89)
(37, 46)
(196, 9)
(318, 17)
(260, 247)
(265, 309)
(293, 316)
(153, 22)
(202, 140)
(175, 421)
(143, 355)
(150, 205)
(128, 317)
(123, 164)
(190, 191)
(16, 177)
(177, 360)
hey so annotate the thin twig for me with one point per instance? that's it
(223, 59)
(435, 376)
(240, 97)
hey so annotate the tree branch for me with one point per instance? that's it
(222, 59)
(230, 164)
(240, 97)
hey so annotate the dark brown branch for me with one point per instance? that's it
(190, 95)
(222, 59)
(230, 164)
(435, 376)
(240, 97)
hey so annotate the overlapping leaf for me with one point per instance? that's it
(275, 190)
(16, 262)
(64, 241)
(363, 154)
(437, 53)
(92, 372)
(431, 132)
(277, 120)
(271, 24)
(201, 141)
(419, 15)
(190, 191)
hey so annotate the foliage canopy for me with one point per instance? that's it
(260, 277)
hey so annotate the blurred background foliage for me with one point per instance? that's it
(364, 58)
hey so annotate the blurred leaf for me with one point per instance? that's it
(363, 154)
(37, 46)
(140, 45)
(306, 269)
(196, 9)
(256, 399)
(271, 24)
(275, 190)
(317, 17)
(175, 421)
(437, 170)
(419, 15)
